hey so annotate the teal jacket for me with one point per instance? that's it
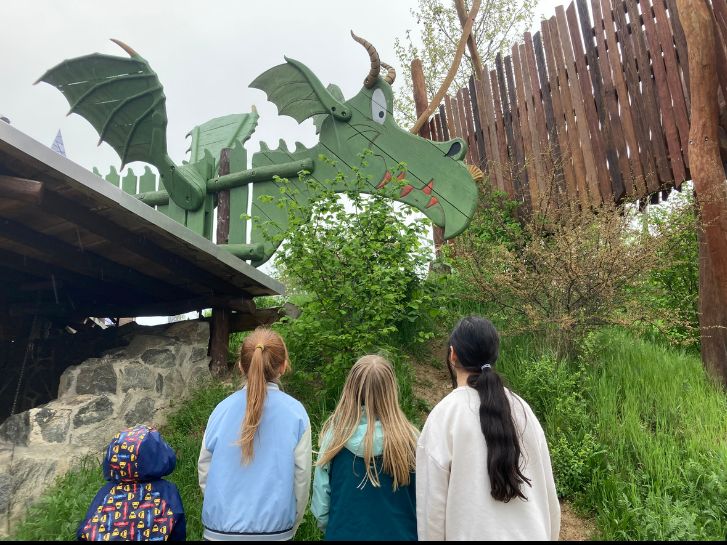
(348, 507)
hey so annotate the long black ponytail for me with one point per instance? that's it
(477, 345)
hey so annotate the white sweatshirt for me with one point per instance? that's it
(453, 486)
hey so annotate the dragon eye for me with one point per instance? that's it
(378, 106)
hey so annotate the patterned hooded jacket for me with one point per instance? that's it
(136, 504)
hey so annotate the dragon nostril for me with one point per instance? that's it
(454, 149)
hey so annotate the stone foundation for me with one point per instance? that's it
(136, 384)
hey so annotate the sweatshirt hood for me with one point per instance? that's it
(138, 454)
(356, 444)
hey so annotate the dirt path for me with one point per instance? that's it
(432, 383)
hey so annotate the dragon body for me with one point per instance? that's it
(361, 148)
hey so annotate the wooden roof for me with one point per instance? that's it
(71, 244)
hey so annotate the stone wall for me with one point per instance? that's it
(133, 385)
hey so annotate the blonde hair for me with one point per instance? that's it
(262, 356)
(371, 387)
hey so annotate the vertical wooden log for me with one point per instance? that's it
(223, 201)
(420, 94)
(420, 103)
(220, 323)
(709, 181)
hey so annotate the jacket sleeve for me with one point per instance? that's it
(553, 503)
(432, 485)
(303, 462)
(320, 504)
(179, 532)
(92, 509)
(203, 465)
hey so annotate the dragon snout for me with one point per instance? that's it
(456, 149)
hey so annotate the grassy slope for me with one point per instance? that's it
(662, 474)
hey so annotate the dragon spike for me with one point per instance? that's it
(264, 146)
(299, 147)
(390, 74)
(373, 74)
(253, 109)
(125, 47)
(282, 145)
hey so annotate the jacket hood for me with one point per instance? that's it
(138, 454)
(356, 443)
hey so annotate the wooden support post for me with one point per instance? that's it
(421, 103)
(219, 341)
(708, 175)
(220, 325)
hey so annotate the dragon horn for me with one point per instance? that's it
(373, 74)
(390, 75)
(125, 47)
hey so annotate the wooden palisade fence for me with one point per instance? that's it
(601, 109)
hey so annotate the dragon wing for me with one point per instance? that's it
(122, 98)
(297, 92)
(219, 133)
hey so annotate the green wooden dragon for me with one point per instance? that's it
(124, 101)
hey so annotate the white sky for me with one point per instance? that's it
(205, 54)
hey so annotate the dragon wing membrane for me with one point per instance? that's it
(297, 92)
(121, 97)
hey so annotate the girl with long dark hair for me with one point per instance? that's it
(483, 467)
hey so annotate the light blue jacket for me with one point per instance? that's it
(265, 499)
(320, 504)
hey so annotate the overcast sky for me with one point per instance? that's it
(205, 54)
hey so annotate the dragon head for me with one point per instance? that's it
(434, 179)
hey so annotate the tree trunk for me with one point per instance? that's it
(709, 180)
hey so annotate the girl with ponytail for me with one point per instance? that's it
(483, 467)
(255, 462)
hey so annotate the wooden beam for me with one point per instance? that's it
(262, 317)
(66, 256)
(21, 189)
(92, 221)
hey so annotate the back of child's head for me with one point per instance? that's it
(263, 358)
(138, 454)
(371, 389)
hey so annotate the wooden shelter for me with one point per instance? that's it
(72, 245)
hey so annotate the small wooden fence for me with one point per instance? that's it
(601, 110)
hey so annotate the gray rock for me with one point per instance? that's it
(190, 331)
(199, 353)
(136, 376)
(96, 379)
(16, 429)
(53, 424)
(142, 413)
(159, 384)
(65, 385)
(141, 343)
(158, 357)
(94, 411)
(6, 490)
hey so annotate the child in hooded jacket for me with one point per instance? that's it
(364, 484)
(136, 504)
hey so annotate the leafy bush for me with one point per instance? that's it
(568, 271)
(673, 286)
(553, 389)
(361, 272)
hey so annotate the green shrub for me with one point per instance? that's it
(361, 272)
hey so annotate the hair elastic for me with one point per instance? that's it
(261, 347)
(486, 366)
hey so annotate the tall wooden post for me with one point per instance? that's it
(708, 175)
(220, 323)
(421, 102)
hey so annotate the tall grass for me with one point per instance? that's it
(665, 427)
